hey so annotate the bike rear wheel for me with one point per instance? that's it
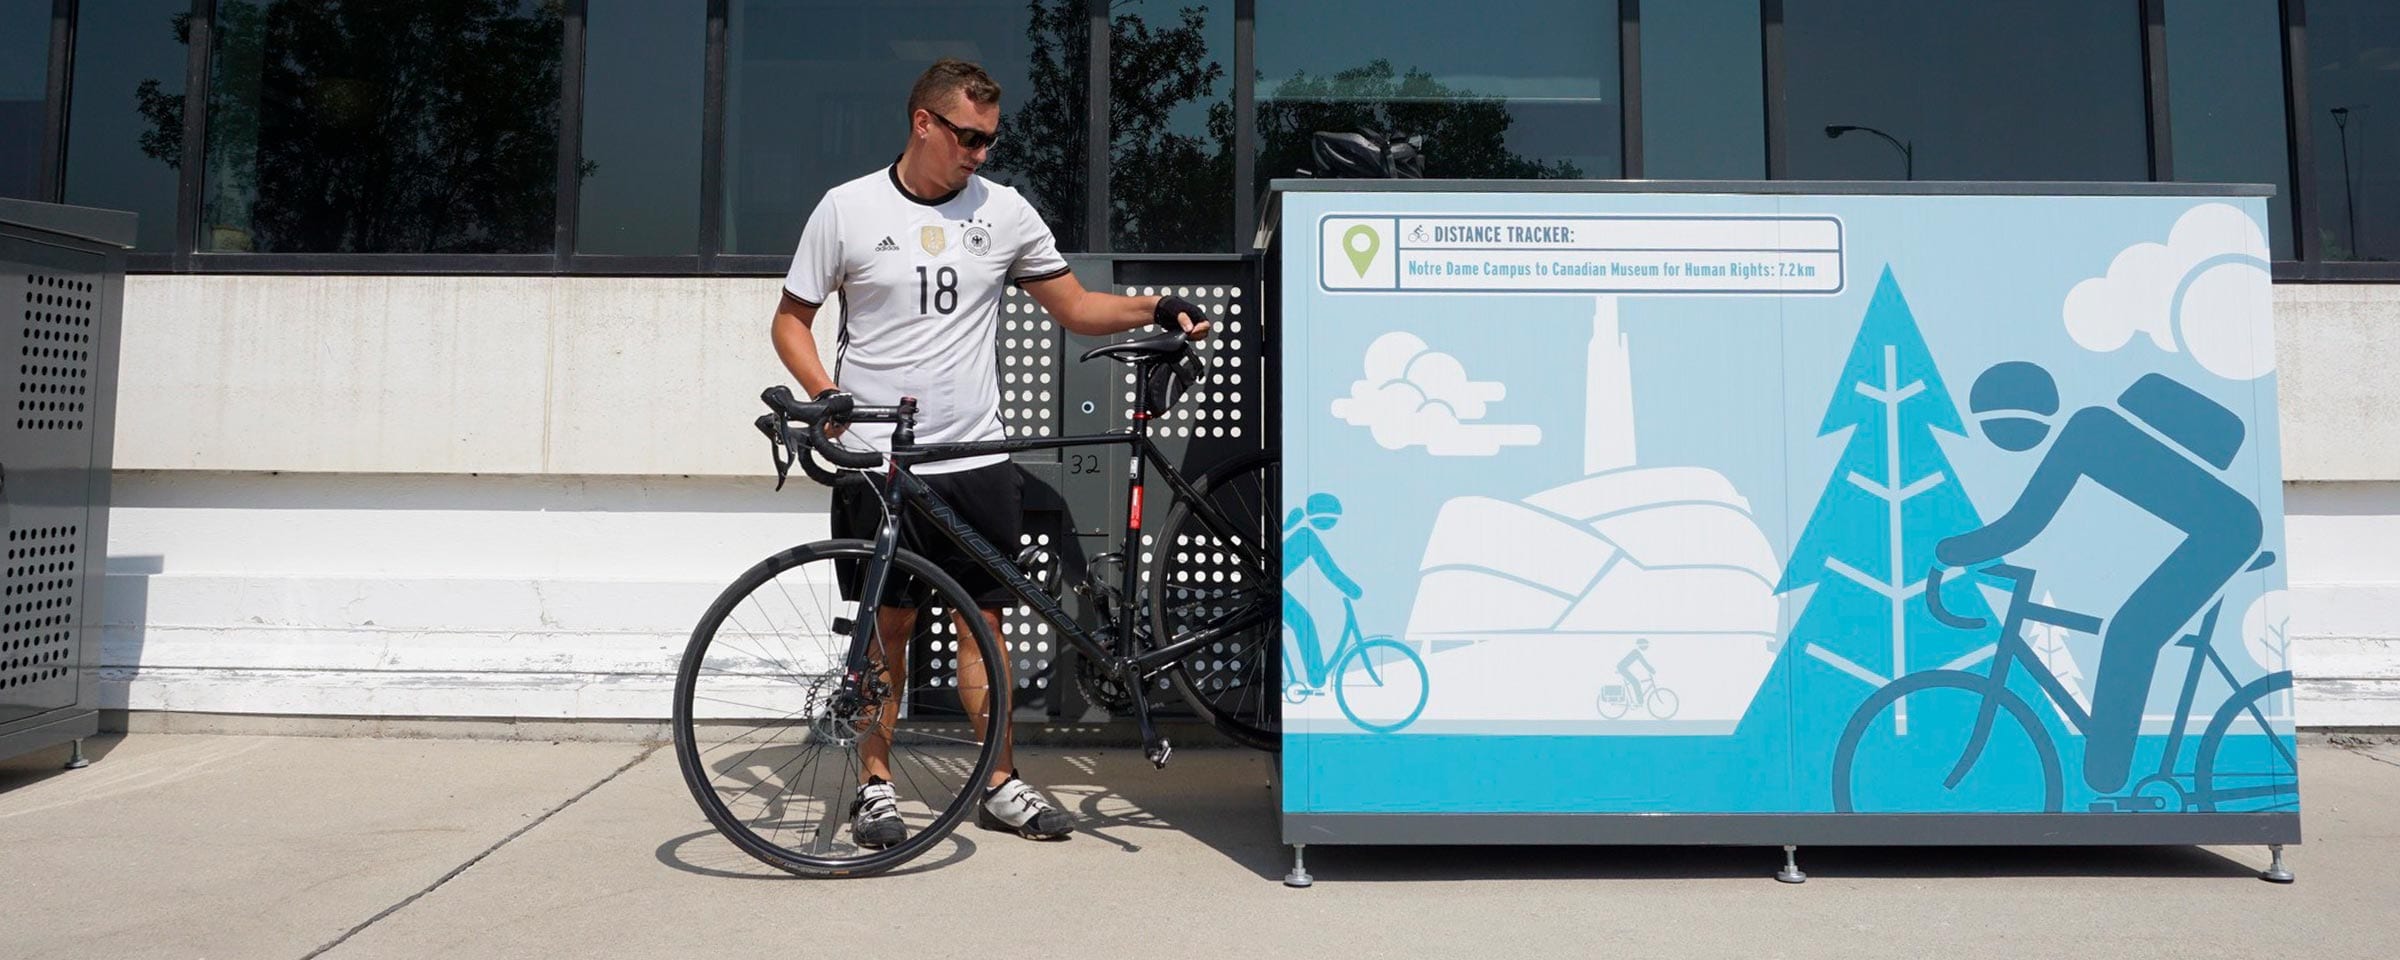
(774, 755)
(2244, 764)
(1198, 576)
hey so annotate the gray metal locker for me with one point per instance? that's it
(62, 276)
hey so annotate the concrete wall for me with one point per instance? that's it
(511, 497)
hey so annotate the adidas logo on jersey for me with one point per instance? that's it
(887, 246)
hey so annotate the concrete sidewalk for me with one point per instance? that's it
(267, 847)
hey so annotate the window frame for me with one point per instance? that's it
(712, 260)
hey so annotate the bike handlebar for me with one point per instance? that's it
(813, 416)
(2021, 582)
(1933, 604)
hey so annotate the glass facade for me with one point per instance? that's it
(1704, 111)
(2354, 106)
(2225, 81)
(644, 83)
(338, 131)
(1171, 136)
(383, 126)
(816, 93)
(125, 128)
(1900, 89)
(1528, 95)
(24, 94)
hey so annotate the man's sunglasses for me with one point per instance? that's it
(969, 138)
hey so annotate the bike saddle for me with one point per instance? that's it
(1156, 347)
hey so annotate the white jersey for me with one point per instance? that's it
(921, 282)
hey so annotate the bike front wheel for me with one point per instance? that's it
(1199, 575)
(1911, 748)
(1381, 685)
(774, 747)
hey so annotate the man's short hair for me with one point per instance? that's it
(949, 75)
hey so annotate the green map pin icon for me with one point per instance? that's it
(1360, 242)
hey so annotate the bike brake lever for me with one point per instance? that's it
(779, 449)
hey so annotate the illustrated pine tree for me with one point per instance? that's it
(1863, 556)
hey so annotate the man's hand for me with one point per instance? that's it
(837, 412)
(1177, 313)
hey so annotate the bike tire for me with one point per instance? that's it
(1393, 674)
(1662, 695)
(2283, 786)
(1235, 684)
(1845, 755)
(728, 677)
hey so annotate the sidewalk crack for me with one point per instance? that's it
(488, 851)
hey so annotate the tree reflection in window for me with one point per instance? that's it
(377, 126)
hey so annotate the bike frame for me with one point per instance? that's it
(901, 488)
(2011, 647)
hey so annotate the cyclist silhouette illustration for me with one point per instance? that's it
(1302, 546)
(1637, 684)
(2015, 403)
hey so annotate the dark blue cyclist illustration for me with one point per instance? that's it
(1386, 678)
(2243, 761)
(2221, 527)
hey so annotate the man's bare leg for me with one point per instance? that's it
(975, 693)
(893, 627)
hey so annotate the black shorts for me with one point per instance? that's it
(989, 499)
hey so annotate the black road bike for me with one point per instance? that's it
(785, 685)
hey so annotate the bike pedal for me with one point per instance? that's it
(1159, 752)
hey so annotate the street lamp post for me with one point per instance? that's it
(1908, 152)
(2341, 126)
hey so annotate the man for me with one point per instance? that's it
(2015, 402)
(919, 252)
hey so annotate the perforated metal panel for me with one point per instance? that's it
(37, 618)
(60, 284)
(1075, 499)
(1030, 387)
(54, 352)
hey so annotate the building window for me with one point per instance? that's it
(2354, 94)
(24, 92)
(1531, 93)
(643, 68)
(1703, 102)
(2036, 90)
(1170, 180)
(817, 94)
(125, 131)
(2225, 93)
(383, 126)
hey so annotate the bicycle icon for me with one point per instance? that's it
(1615, 701)
(1379, 670)
(1640, 687)
(2246, 779)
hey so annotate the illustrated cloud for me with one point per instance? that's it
(1412, 396)
(2205, 292)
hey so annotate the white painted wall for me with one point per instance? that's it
(511, 497)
